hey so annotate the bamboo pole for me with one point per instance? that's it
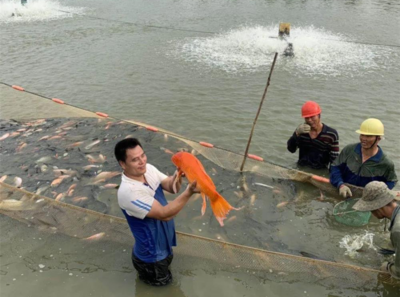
(258, 112)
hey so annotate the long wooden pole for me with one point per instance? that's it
(258, 112)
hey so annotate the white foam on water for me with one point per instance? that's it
(352, 243)
(317, 51)
(12, 11)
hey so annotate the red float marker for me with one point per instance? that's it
(18, 88)
(255, 157)
(206, 144)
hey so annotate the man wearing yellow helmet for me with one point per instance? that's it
(363, 162)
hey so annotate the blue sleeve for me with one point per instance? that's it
(390, 184)
(292, 143)
(336, 175)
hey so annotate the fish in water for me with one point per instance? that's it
(79, 199)
(88, 167)
(110, 186)
(263, 185)
(194, 171)
(282, 204)
(4, 136)
(88, 147)
(96, 236)
(71, 190)
(105, 175)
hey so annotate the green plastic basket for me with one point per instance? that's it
(345, 214)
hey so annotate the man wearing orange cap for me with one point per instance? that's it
(318, 144)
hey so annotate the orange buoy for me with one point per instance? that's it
(320, 179)
(206, 144)
(56, 100)
(18, 88)
(255, 157)
(102, 114)
(154, 129)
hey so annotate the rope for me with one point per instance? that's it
(139, 124)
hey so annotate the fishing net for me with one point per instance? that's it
(223, 158)
(64, 162)
(345, 214)
(212, 255)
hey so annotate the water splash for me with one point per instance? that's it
(317, 51)
(12, 11)
(353, 243)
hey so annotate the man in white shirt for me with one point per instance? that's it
(149, 215)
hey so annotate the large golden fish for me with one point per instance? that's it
(194, 170)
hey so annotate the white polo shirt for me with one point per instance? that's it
(135, 197)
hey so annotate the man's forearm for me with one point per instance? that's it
(174, 207)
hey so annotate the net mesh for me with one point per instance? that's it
(54, 216)
(345, 214)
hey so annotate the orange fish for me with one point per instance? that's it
(194, 170)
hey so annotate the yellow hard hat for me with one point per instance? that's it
(371, 127)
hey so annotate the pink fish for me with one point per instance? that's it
(79, 199)
(55, 137)
(75, 144)
(96, 236)
(59, 180)
(4, 136)
(20, 147)
(60, 196)
(14, 134)
(110, 186)
(282, 204)
(88, 147)
(44, 137)
(71, 190)
(106, 175)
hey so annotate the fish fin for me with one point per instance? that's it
(220, 208)
(204, 205)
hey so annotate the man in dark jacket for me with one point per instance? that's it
(318, 144)
(363, 162)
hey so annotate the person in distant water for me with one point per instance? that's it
(318, 143)
(149, 215)
(363, 162)
(379, 200)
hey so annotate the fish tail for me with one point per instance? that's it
(221, 208)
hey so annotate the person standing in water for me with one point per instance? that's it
(318, 143)
(379, 200)
(363, 162)
(149, 215)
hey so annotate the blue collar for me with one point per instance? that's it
(377, 158)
